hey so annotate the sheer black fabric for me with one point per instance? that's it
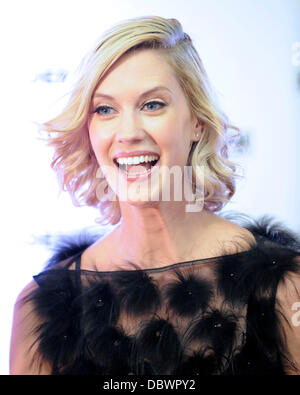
(215, 316)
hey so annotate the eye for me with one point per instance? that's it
(103, 110)
(154, 105)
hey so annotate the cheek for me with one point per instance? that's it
(168, 130)
(176, 135)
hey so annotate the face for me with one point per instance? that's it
(139, 109)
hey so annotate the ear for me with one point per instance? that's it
(197, 129)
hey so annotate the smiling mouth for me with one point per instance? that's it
(136, 170)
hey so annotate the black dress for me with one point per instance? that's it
(216, 316)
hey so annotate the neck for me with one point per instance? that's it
(159, 235)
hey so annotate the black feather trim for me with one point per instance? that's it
(78, 311)
(158, 346)
(137, 293)
(216, 329)
(266, 227)
(252, 361)
(57, 304)
(262, 327)
(82, 366)
(199, 365)
(257, 272)
(111, 349)
(100, 309)
(188, 293)
(66, 246)
(232, 281)
(273, 230)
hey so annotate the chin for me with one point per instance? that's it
(139, 200)
(139, 193)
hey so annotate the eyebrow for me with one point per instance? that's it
(146, 93)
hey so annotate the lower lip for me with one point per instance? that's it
(134, 177)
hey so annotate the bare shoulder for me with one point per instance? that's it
(98, 254)
(235, 231)
(234, 238)
(23, 344)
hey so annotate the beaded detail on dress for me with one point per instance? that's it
(215, 316)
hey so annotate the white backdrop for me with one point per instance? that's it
(251, 50)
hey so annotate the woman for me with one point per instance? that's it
(174, 288)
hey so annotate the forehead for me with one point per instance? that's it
(140, 70)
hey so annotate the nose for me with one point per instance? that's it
(129, 129)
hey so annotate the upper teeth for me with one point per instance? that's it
(135, 160)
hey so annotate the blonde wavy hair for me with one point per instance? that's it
(74, 159)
